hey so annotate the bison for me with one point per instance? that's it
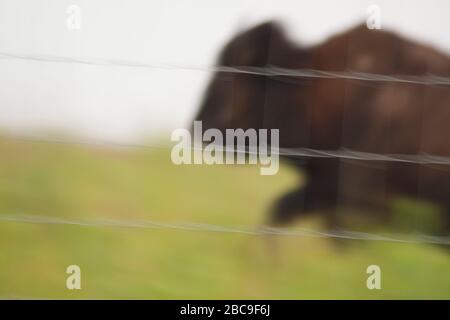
(334, 113)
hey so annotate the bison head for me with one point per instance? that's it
(239, 98)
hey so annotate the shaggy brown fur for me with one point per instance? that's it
(330, 114)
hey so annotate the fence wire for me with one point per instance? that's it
(213, 228)
(270, 71)
(343, 153)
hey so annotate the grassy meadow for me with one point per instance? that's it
(81, 182)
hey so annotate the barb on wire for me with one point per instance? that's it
(343, 153)
(270, 71)
(245, 230)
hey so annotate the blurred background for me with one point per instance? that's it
(114, 108)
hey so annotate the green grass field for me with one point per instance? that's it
(71, 181)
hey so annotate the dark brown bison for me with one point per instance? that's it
(378, 117)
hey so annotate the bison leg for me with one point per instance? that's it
(284, 211)
(287, 208)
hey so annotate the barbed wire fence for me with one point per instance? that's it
(244, 230)
(343, 153)
(269, 71)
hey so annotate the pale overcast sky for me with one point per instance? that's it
(125, 104)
